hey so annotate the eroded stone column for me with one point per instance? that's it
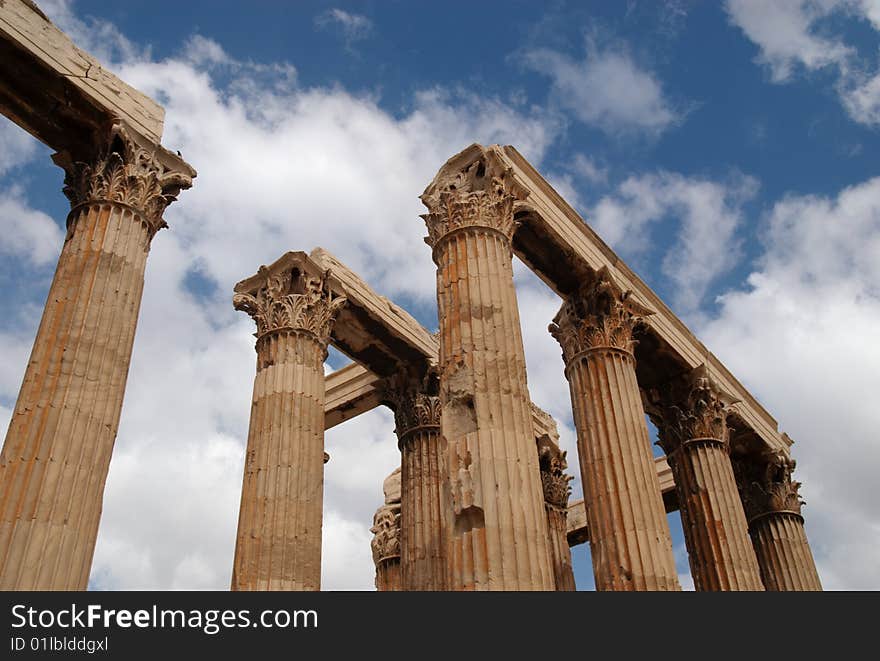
(776, 526)
(498, 535)
(424, 482)
(556, 492)
(691, 418)
(629, 536)
(57, 451)
(386, 531)
(278, 546)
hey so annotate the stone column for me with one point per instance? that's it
(498, 534)
(278, 546)
(386, 536)
(424, 484)
(556, 492)
(773, 508)
(629, 536)
(691, 417)
(57, 451)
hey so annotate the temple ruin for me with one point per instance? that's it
(480, 501)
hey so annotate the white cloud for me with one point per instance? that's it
(18, 147)
(24, 232)
(354, 27)
(794, 35)
(862, 99)
(870, 9)
(608, 89)
(708, 214)
(283, 167)
(787, 34)
(280, 168)
(587, 168)
(802, 337)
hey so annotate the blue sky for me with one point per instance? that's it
(725, 150)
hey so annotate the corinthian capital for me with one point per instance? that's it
(767, 486)
(386, 521)
(125, 169)
(416, 402)
(689, 407)
(553, 477)
(293, 294)
(599, 314)
(474, 189)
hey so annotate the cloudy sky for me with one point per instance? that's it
(726, 150)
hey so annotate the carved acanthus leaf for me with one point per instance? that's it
(416, 402)
(386, 521)
(124, 171)
(480, 194)
(690, 407)
(600, 314)
(554, 480)
(767, 486)
(386, 533)
(292, 300)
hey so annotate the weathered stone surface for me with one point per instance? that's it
(498, 539)
(59, 93)
(691, 418)
(561, 248)
(554, 481)
(57, 451)
(630, 544)
(351, 391)
(386, 531)
(773, 508)
(576, 524)
(425, 504)
(278, 545)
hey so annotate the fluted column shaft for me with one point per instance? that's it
(388, 575)
(690, 412)
(554, 481)
(424, 482)
(57, 451)
(278, 544)
(776, 526)
(715, 530)
(630, 542)
(423, 515)
(560, 551)
(498, 536)
(783, 553)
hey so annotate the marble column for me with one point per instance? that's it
(424, 484)
(278, 546)
(386, 544)
(57, 451)
(498, 536)
(556, 492)
(691, 417)
(776, 526)
(629, 536)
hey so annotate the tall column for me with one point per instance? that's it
(278, 546)
(629, 536)
(776, 526)
(691, 418)
(386, 542)
(424, 484)
(498, 534)
(57, 451)
(556, 492)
